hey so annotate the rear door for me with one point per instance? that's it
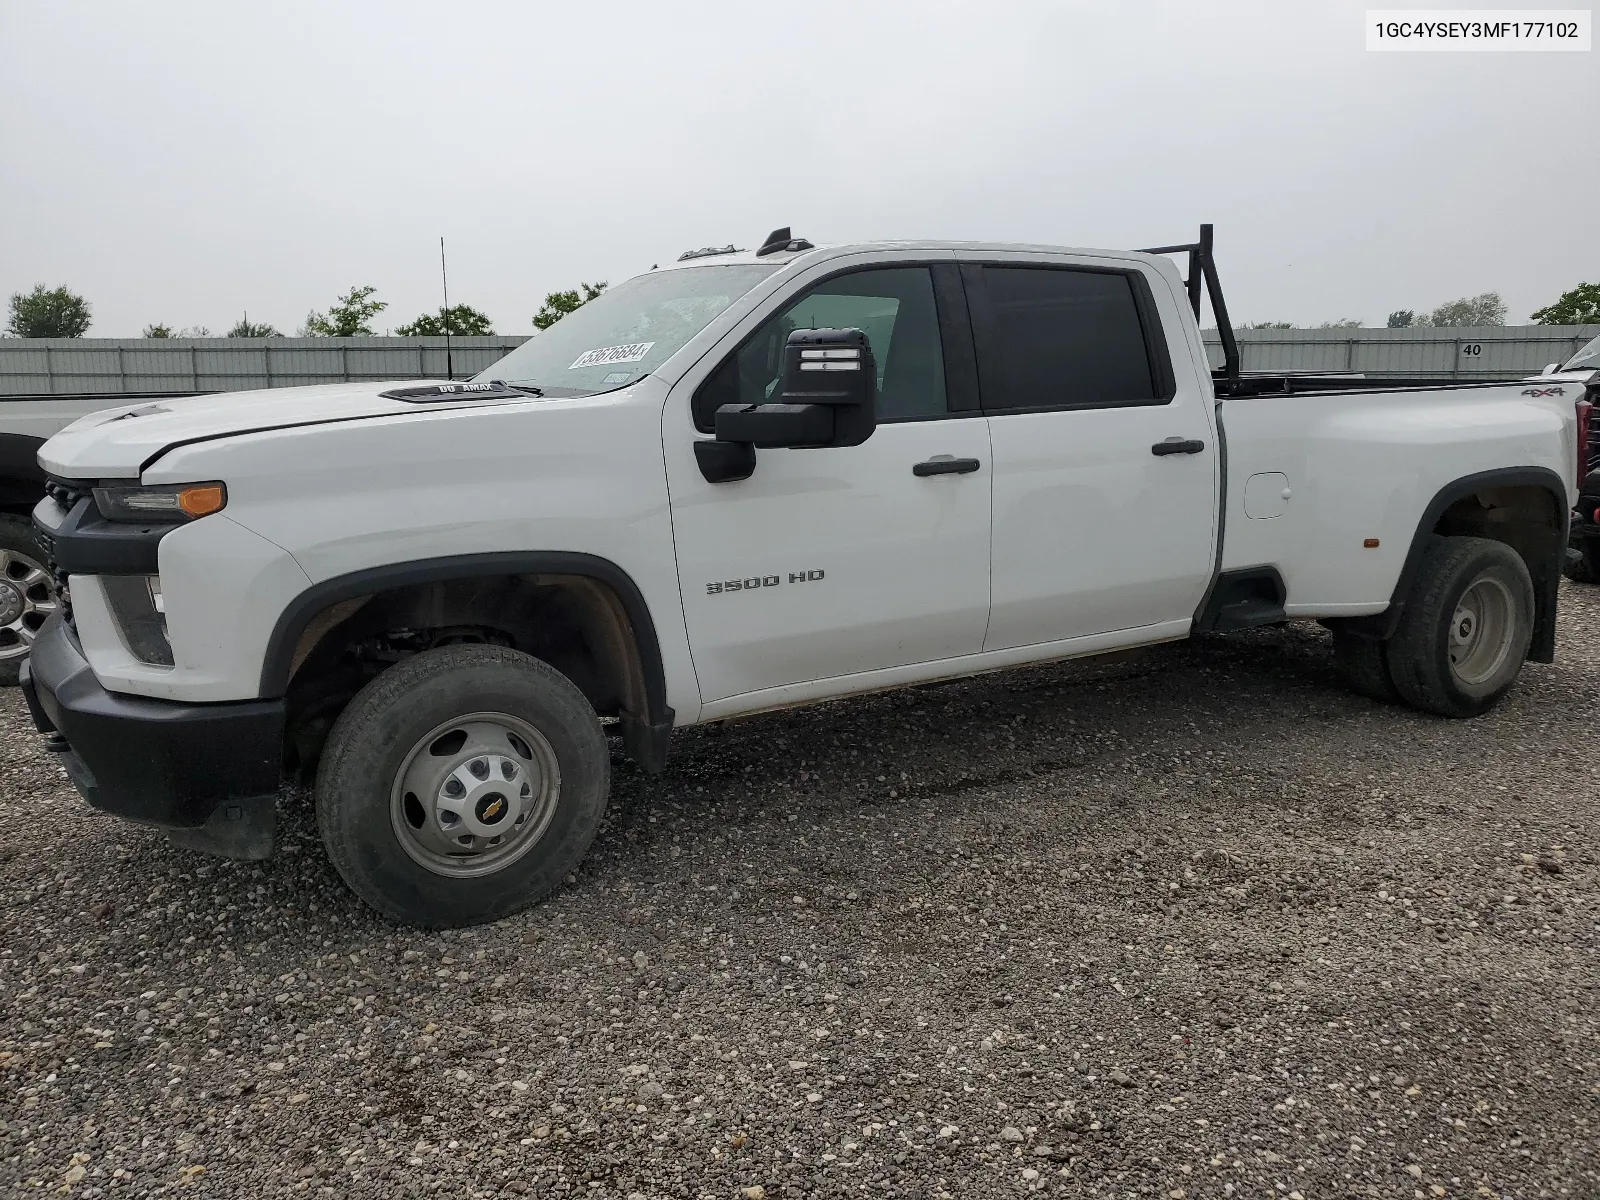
(839, 561)
(1105, 467)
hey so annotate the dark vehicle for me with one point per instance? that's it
(1583, 533)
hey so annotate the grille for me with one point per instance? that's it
(66, 493)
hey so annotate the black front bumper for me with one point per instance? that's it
(160, 762)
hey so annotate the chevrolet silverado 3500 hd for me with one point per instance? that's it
(741, 482)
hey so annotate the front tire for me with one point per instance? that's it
(26, 597)
(1466, 628)
(461, 786)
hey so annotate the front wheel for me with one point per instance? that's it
(462, 785)
(26, 598)
(1466, 628)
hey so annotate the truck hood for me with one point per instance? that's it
(118, 443)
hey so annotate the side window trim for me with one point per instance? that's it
(993, 385)
(963, 395)
(1155, 338)
(962, 391)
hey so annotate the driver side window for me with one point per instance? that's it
(893, 306)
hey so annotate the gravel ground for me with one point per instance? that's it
(1194, 924)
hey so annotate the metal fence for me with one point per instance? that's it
(1496, 352)
(63, 366)
(35, 366)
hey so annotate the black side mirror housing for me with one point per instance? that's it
(773, 425)
(827, 397)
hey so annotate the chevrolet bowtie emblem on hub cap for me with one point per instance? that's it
(491, 808)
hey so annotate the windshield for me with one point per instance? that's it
(627, 331)
(1587, 359)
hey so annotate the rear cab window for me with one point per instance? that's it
(1065, 337)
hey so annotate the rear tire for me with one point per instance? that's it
(1466, 628)
(1363, 664)
(462, 785)
(26, 598)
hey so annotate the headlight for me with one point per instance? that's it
(162, 503)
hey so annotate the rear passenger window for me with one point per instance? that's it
(1060, 338)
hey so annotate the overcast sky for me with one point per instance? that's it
(186, 162)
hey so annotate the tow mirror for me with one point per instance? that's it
(775, 425)
(827, 397)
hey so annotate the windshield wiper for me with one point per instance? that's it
(517, 387)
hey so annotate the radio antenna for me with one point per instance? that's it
(444, 313)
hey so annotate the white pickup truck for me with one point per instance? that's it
(741, 482)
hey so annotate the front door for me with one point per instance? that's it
(1096, 530)
(837, 561)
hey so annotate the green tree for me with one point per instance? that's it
(348, 317)
(246, 328)
(559, 304)
(1266, 325)
(1402, 318)
(1342, 323)
(159, 330)
(1484, 309)
(48, 313)
(1580, 306)
(459, 320)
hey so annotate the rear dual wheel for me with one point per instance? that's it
(462, 785)
(1363, 664)
(1586, 567)
(1462, 638)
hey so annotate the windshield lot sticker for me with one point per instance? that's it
(617, 377)
(606, 355)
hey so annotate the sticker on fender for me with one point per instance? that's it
(606, 355)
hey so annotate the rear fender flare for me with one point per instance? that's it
(1545, 569)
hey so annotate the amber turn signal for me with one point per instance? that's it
(206, 498)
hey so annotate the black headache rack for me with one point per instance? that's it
(1229, 380)
(1203, 270)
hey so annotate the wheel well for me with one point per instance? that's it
(19, 496)
(21, 479)
(1521, 516)
(1524, 507)
(578, 624)
(1529, 518)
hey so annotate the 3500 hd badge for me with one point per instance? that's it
(761, 581)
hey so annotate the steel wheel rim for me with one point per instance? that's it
(475, 794)
(1481, 631)
(26, 601)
